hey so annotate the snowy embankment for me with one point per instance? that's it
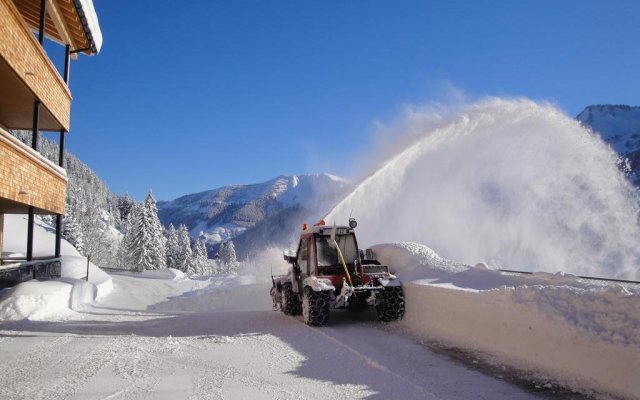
(51, 300)
(586, 334)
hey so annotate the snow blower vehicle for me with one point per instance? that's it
(329, 272)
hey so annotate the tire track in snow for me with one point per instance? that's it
(80, 367)
(19, 374)
(370, 362)
(215, 377)
(139, 361)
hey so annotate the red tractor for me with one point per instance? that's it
(329, 272)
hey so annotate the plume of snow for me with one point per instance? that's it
(513, 183)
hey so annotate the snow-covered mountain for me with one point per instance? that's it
(619, 126)
(249, 213)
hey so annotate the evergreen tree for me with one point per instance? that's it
(157, 240)
(185, 255)
(227, 254)
(71, 229)
(172, 247)
(124, 257)
(125, 204)
(201, 260)
(148, 242)
(141, 243)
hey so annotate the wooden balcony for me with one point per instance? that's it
(29, 179)
(26, 75)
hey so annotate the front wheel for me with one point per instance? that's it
(315, 307)
(390, 304)
(290, 302)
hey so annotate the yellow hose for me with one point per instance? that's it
(344, 264)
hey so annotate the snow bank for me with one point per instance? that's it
(56, 300)
(75, 267)
(584, 333)
(50, 300)
(45, 301)
(164, 273)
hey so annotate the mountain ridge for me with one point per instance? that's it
(619, 126)
(232, 211)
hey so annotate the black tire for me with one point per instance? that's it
(315, 307)
(290, 303)
(390, 304)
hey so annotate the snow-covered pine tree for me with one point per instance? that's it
(125, 204)
(141, 243)
(185, 255)
(227, 255)
(71, 229)
(157, 241)
(148, 240)
(172, 247)
(201, 261)
(125, 249)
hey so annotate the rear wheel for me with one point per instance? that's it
(315, 307)
(390, 304)
(290, 302)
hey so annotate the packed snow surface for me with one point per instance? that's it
(140, 342)
(511, 183)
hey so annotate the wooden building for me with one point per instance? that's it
(35, 96)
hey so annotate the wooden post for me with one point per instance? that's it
(88, 258)
(58, 235)
(30, 234)
(43, 17)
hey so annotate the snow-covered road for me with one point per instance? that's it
(242, 350)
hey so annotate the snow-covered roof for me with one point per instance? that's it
(72, 22)
(89, 18)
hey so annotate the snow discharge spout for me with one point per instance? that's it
(513, 183)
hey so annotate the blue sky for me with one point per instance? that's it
(189, 96)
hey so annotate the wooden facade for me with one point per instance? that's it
(35, 96)
(29, 179)
(27, 74)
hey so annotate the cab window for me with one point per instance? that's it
(327, 254)
(302, 256)
(312, 258)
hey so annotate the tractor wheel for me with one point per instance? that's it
(290, 302)
(315, 307)
(390, 304)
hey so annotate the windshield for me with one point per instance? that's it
(327, 254)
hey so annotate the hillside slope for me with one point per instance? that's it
(250, 214)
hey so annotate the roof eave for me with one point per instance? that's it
(90, 24)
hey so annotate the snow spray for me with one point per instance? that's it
(512, 183)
